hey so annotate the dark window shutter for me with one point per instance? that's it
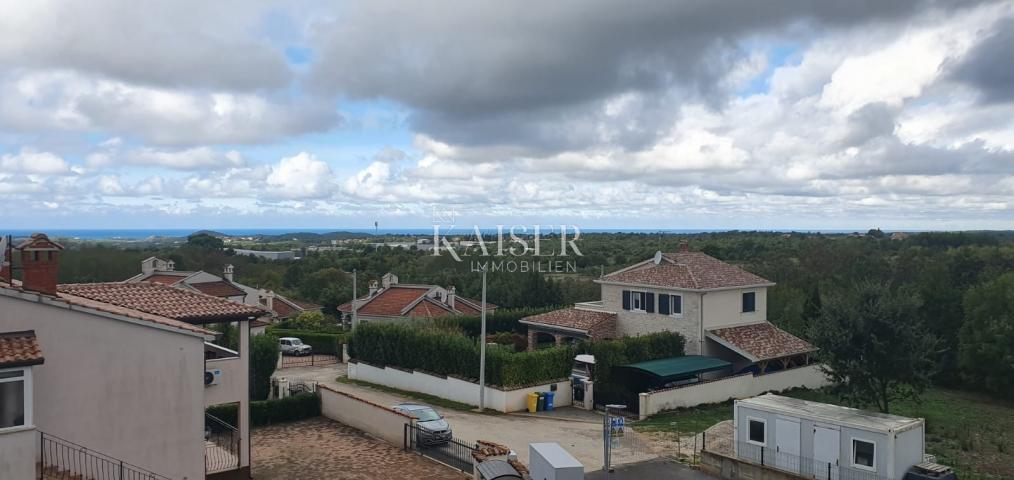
(626, 299)
(649, 302)
(677, 304)
(663, 304)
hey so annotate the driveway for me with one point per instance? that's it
(577, 431)
(650, 469)
(321, 449)
(324, 374)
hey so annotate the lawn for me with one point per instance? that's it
(971, 432)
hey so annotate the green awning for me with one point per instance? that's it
(679, 367)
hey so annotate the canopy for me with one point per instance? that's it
(679, 367)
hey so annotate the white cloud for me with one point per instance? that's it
(30, 161)
(300, 176)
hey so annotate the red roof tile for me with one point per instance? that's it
(573, 318)
(391, 301)
(760, 341)
(19, 349)
(162, 300)
(687, 270)
(163, 279)
(218, 289)
(429, 308)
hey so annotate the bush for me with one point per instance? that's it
(436, 351)
(324, 343)
(263, 360)
(267, 412)
(505, 320)
(609, 387)
(312, 321)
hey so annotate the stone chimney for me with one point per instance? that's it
(170, 266)
(389, 279)
(5, 260)
(40, 264)
(684, 246)
(374, 286)
(268, 299)
(228, 271)
(450, 296)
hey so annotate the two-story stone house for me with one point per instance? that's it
(719, 308)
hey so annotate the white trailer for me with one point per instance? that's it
(825, 441)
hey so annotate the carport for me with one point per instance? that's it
(672, 372)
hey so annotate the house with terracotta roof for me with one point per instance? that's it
(719, 308)
(129, 370)
(157, 270)
(390, 300)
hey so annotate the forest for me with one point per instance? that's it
(955, 289)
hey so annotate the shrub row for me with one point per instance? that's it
(437, 351)
(505, 320)
(267, 412)
(623, 351)
(325, 343)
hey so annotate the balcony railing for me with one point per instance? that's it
(64, 460)
(221, 445)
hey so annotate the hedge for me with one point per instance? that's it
(325, 343)
(505, 320)
(267, 412)
(437, 351)
(609, 388)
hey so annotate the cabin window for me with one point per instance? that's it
(864, 454)
(757, 431)
(749, 302)
(14, 398)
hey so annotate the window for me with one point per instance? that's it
(749, 302)
(676, 305)
(637, 301)
(15, 396)
(864, 454)
(757, 434)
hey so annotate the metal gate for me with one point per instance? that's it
(451, 452)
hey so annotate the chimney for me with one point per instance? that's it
(373, 288)
(5, 259)
(228, 271)
(684, 246)
(40, 264)
(170, 266)
(268, 299)
(450, 297)
(389, 279)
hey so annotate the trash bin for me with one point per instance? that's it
(549, 400)
(542, 401)
(533, 402)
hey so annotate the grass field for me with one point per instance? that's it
(970, 432)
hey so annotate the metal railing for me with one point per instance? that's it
(312, 360)
(451, 451)
(221, 445)
(803, 466)
(65, 460)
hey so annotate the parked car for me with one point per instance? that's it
(294, 346)
(433, 429)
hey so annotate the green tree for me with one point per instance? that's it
(263, 360)
(308, 320)
(986, 340)
(874, 344)
(205, 241)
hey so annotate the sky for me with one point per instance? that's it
(784, 114)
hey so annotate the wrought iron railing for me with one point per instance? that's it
(65, 460)
(447, 450)
(221, 445)
(803, 466)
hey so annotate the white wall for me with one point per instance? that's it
(234, 387)
(629, 323)
(18, 453)
(724, 308)
(451, 388)
(739, 386)
(369, 417)
(128, 391)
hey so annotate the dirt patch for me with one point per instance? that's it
(719, 438)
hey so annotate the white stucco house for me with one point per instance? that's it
(128, 372)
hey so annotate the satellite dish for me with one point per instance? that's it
(658, 258)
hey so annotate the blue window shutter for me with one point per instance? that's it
(649, 302)
(677, 304)
(663, 304)
(626, 299)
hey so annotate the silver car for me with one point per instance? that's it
(432, 428)
(293, 346)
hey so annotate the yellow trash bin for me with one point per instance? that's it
(533, 402)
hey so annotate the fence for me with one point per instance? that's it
(449, 451)
(65, 460)
(221, 445)
(771, 458)
(313, 360)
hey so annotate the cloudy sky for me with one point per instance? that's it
(637, 114)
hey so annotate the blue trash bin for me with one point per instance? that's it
(549, 400)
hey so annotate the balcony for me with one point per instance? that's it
(221, 446)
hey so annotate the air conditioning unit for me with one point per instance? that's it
(212, 377)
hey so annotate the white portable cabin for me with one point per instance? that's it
(826, 441)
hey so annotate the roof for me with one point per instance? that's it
(835, 414)
(760, 341)
(162, 300)
(571, 318)
(19, 349)
(676, 367)
(392, 300)
(686, 270)
(218, 289)
(164, 279)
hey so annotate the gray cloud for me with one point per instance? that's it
(989, 67)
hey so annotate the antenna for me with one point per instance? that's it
(658, 257)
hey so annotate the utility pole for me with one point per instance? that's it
(482, 345)
(355, 296)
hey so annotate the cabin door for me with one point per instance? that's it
(787, 444)
(826, 450)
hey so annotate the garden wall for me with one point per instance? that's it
(377, 420)
(740, 386)
(455, 389)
